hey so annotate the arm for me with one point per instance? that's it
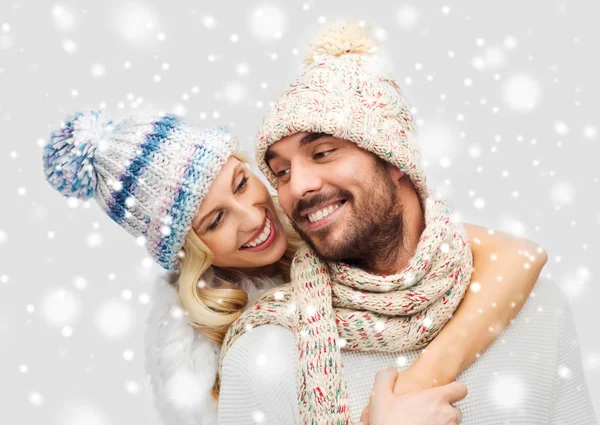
(505, 270)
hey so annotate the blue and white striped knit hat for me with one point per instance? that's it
(148, 174)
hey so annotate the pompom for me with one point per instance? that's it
(339, 39)
(69, 154)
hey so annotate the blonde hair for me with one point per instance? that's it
(211, 307)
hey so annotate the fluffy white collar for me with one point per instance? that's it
(180, 362)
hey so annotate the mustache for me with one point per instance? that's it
(318, 199)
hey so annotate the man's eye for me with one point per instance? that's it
(321, 155)
(282, 173)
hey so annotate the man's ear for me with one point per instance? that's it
(395, 172)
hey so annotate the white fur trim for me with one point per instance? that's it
(181, 363)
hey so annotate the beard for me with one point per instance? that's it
(373, 230)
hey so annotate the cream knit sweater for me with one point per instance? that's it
(531, 374)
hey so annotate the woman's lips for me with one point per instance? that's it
(267, 242)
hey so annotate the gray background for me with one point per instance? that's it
(506, 94)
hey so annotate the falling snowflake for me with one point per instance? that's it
(258, 416)
(94, 239)
(98, 70)
(407, 17)
(69, 46)
(186, 389)
(235, 92)
(114, 319)
(209, 21)
(521, 93)
(562, 194)
(36, 398)
(261, 360)
(510, 42)
(401, 361)
(132, 387)
(60, 307)
(80, 283)
(561, 128)
(267, 23)
(590, 132)
(136, 23)
(508, 391)
(78, 413)
(564, 372)
(437, 142)
(65, 18)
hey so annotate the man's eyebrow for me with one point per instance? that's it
(269, 155)
(309, 138)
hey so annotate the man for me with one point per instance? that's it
(340, 148)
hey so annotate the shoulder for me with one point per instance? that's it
(262, 355)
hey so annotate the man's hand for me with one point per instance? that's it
(427, 407)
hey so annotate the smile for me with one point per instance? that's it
(263, 238)
(324, 212)
(320, 218)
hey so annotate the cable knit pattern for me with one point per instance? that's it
(148, 174)
(520, 379)
(342, 92)
(335, 306)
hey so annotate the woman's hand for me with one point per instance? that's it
(432, 406)
(411, 380)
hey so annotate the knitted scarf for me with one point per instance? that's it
(331, 306)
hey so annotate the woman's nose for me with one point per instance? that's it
(251, 217)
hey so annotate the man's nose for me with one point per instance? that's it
(304, 180)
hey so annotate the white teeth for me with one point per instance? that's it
(262, 237)
(319, 215)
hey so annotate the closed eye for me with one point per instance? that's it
(242, 185)
(212, 226)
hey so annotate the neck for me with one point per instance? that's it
(270, 270)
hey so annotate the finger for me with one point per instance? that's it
(364, 416)
(452, 416)
(385, 380)
(458, 416)
(453, 392)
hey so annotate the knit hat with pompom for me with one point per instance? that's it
(345, 91)
(148, 174)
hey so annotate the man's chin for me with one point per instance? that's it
(325, 242)
(327, 248)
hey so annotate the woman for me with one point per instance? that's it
(205, 216)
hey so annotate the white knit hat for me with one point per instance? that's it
(148, 174)
(343, 92)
